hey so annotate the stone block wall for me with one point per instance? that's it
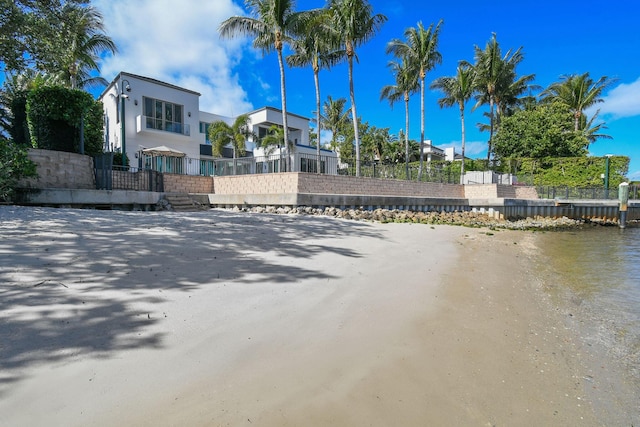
(335, 184)
(187, 184)
(272, 183)
(493, 191)
(59, 169)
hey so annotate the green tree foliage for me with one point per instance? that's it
(581, 172)
(14, 165)
(497, 83)
(543, 131)
(406, 84)
(457, 90)
(271, 25)
(312, 46)
(73, 51)
(26, 30)
(55, 114)
(221, 134)
(420, 50)
(355, 24)
(579, 92)
(335, 118)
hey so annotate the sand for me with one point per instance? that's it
(221, 318)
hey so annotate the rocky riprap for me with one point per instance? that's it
(467, 219)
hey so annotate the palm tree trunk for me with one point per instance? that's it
(234, 160)
(406, 135)
(317, 81)
(576, 121)
(421, 129)
(354, 115)
(490, 145)
(283, 93)
(463, 143)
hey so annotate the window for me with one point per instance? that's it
(165, 116)
(204, 128)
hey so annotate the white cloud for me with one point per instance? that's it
(179, 45)
(622, 101)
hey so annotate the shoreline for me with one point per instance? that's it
(223, 317)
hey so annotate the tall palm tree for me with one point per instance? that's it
(420, 48)
(406, 84)
(222, 134)
(355, 24)
(457, 90)
(77, 45)
(270, 25)
(495, 75)
(579, 92)
(312, 46)
(334, 117)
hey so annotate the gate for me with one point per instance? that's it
(104, 171)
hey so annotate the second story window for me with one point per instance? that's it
(165, 116)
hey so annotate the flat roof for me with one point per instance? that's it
(123, 74)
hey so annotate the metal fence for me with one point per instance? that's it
(399, 171)
(299, 162)
(594, 193)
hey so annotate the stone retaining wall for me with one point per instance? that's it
(59, 169)
(303, 183)
(187, 184)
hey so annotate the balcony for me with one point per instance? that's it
(146, 123)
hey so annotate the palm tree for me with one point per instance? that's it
(579, 92)
(457, 90)
(312, 47)
(272, 140)
(420, 50)
(495, 75)
(355, 24)
(406, 84)
(591, 130)
(334, 117)
(270, 26)
(222, 134)
(77, 45)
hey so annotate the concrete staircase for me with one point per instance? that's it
(183, 203)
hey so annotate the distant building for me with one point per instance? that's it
(160, 126)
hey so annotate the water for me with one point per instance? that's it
(596, 274)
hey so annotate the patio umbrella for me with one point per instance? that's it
(163, 150)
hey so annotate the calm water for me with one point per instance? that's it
(598, 271)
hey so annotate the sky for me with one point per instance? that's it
(181, 45)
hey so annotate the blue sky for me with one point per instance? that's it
(181, 46)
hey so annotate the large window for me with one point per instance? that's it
(204, 128)
(166, 116)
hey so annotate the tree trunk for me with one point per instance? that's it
(283, 93)
(354, 114)
(463, 143)
(490, 145)
(406, 135)
(421, 128)
(317, 81)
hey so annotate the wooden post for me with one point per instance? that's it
(623, 198)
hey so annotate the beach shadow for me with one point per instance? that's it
(79, 282)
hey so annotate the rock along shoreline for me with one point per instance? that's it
(460, 218)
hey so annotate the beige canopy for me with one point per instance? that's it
(163, 150)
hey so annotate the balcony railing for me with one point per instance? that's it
(151, 123)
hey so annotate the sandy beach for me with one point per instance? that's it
(221, 318)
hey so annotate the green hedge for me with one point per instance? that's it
(54, 117)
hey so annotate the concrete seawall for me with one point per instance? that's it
(505, 208)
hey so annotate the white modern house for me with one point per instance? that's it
(160, 126)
